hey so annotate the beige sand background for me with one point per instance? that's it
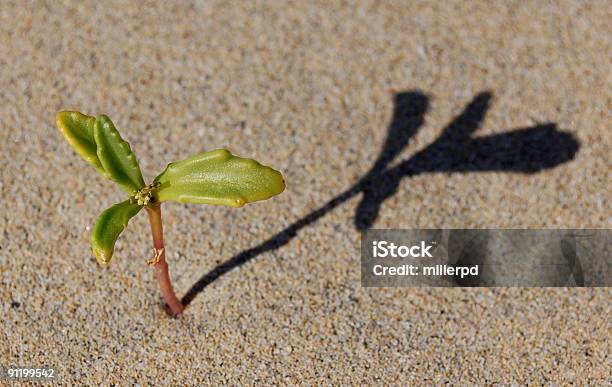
(306, 87)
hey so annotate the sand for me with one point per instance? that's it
(309, 89)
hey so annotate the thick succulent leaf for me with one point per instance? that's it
(78, 129)
(116, 156)
(220, 178)
(109, 225)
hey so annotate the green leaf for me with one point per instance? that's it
(116, 156)
(220, 178)
(109, 225)
(78, 129)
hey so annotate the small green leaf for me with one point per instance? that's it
(109, 225)
(116, 156)
(78, 129)
(220, 178)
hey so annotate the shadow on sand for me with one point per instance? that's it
(523, 150)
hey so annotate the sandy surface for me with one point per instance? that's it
(309, 90)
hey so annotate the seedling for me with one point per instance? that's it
(216, 177)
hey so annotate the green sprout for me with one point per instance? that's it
(215, 177)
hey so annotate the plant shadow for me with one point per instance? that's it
(522, 150)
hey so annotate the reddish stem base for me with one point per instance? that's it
(161, 267)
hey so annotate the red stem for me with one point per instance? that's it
(161, 267)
